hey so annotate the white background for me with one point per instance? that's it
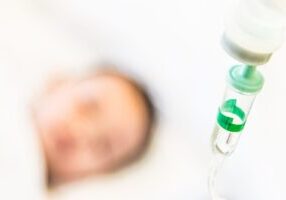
(173, 48)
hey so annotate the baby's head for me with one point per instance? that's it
(93, 125)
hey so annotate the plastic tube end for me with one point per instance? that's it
(245, 78)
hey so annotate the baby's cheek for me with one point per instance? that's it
(50, 115)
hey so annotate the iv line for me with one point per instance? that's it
(216, 165)
(244, 83)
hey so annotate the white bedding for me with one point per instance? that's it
(173, 47)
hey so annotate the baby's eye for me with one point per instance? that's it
(88, 107)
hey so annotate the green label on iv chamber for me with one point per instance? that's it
(231, 117)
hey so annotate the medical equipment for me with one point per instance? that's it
(244, 83)
(254, 30)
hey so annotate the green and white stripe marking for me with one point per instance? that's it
(231, 117)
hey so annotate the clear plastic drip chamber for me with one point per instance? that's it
(244, 83)
(227, 132)
(254, 29)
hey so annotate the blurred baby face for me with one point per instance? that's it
(91, 126)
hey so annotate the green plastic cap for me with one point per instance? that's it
(245, 78)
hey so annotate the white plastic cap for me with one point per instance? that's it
(255, 29)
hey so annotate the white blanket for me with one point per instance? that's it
(173, 47)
